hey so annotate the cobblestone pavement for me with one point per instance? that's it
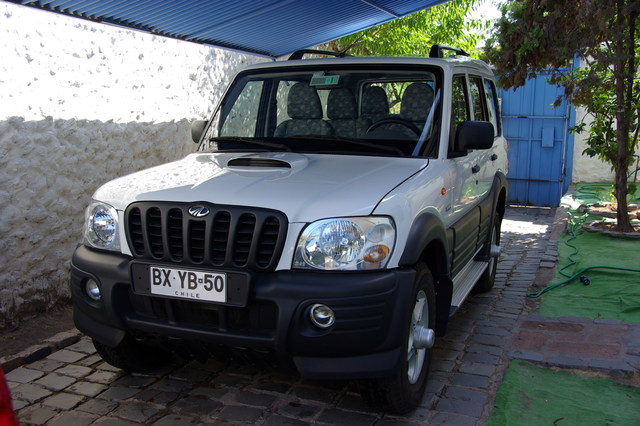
(64, 382)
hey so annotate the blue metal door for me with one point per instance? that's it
(540, 145)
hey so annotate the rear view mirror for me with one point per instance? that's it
(197, 128)
(473, 135)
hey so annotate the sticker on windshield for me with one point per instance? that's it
(324, 80)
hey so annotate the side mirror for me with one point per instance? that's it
(197, 128)
(472, 135)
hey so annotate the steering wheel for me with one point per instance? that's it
(406, 123)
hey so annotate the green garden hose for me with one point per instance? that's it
(588, 192)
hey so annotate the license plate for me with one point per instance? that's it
(187, 284)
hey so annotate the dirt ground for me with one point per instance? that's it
(32, 331)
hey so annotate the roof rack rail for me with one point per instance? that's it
(299, 54)
(436, 51)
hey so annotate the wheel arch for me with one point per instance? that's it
(428, 244)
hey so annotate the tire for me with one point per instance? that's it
(488, 277)
(132, 355)
(403, 391)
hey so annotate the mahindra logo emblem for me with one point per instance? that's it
(199, 211)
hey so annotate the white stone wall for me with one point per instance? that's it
(588, 169)
(82, 103)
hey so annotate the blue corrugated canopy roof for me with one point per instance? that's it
(263, 27)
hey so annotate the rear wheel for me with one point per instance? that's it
(133, 355)
(403, 391)
(488, 278)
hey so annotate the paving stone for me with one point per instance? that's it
(55, 382)
(255, 399)
(466, 408)
(209, 392)
(30, 393)
(334, 416)
(171, 385)
(470, 380)
(18, 404)
(278, 420)
(89, 361)
(108, 367)
(526, 355)
(118, 393)
(86, 388)
(105, 377)
(63, 400)
(157, 397)
(36, 415)
(478, 369)
(84, 346)
(313, 393)
(73, 370)
(196, 405)
(444, 418)
(298, 410)
(98, 406)
(235, 413)
(135, 412)
(467, 395)
(46, 365)
(174, 419)
(65, 355)
(74, 418)
(135, 381)
(23, 375)
(112, 421)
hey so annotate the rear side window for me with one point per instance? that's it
(493, 105)
(477, 99)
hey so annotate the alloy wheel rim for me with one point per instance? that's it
(415, 356)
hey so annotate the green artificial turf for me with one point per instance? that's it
(532, 395)
(611, 294)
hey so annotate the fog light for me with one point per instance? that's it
(92, 289)
(322, 316)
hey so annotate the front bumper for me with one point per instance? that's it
(372, 311)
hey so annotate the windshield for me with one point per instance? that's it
(335, 110)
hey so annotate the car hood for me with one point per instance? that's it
(305, 187)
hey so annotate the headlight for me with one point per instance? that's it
(101, 227)
(346, 244)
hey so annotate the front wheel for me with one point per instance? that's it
(403, 391)
(488, 277)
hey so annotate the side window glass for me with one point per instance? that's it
(477, 100)
(459, 104)
(242, 118)
(493, 106)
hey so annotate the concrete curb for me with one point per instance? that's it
(40, 351)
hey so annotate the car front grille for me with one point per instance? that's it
(228, 236)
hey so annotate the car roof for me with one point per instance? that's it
(445, 63)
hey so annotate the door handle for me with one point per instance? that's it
(475, 169)
(494, 157)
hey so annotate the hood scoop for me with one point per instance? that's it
(258, 162)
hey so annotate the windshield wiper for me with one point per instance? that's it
(337, 139)
(251, 141)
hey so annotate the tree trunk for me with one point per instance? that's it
(624, 44)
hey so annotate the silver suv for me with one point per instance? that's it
(336, 213)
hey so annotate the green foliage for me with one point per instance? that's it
(543, 36)
(448, 23)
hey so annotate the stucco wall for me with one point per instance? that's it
(82, 103)
(585, 168)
